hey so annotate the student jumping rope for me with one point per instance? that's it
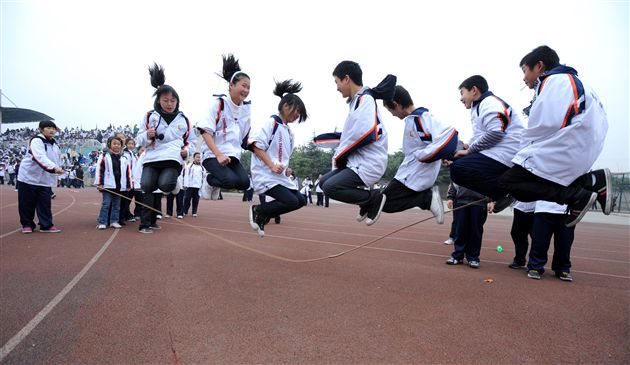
(165, 134)
(226, 129)
(272, 146)
(35, 179)
(496, 139)
(426, 141)
(565, 135)
(360, 158)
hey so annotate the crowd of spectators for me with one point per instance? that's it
(14, 142)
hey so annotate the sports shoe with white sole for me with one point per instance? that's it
(362, 214)
(374, 212)
(437, 207)
(603, 188)
(578, 210)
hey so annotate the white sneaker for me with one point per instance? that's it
(116, 225)
(206, 191)
(195, 215)
(216, 191)
(166, 216)
(180, 217)
(437, 207)
(449, 241)
(159, 216)
(101, 226)
(177, 188)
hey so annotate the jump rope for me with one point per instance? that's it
(282, 258)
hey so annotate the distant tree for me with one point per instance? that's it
(393, 161)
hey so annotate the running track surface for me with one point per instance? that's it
(181, 296)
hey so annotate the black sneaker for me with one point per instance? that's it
(564, 276)
(253, 216)
(362, 214)
(516, 265)
(374, 212)
(256, 221)
(578, 210)
(502, 203)
(603, 188)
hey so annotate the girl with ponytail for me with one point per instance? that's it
(165, 133)
(226, 129)
(272, 146)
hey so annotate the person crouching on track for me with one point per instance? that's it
(113, 177)
(35, 179)
(272, 146)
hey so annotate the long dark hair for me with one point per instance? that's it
(157, 81)
(230, 68)
(286, 90)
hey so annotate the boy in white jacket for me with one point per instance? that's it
(496, 139)
(360, 159)
(565, 135)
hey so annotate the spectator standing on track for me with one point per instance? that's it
(522, 223)
(125, 203)
(319, 192)
(11, 172)
(307, 185)
(469, 226)
(549, 220)
(193, 179)
(112, 177)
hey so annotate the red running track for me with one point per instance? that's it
(182, 296)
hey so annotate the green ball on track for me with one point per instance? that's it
(499, 248)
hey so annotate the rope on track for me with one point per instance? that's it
(287, 259)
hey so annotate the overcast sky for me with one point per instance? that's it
(85, 63)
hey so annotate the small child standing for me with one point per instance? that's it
(35, 179)
(112, 177)
(469, 225)
(193, 179)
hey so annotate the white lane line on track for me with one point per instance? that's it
(55, 214)
(30, 326)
